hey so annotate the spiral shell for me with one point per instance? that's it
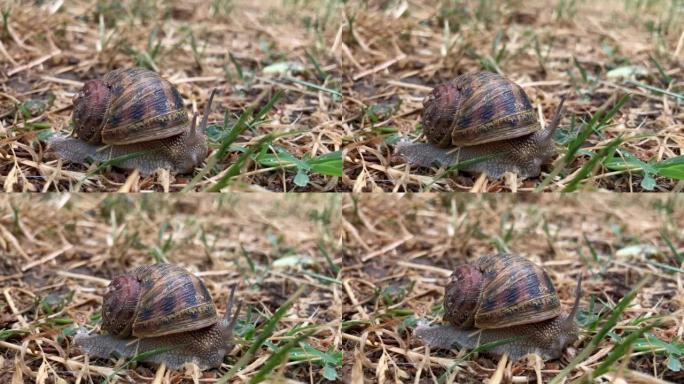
(155, 300)
(500, 291)
(127, 106)
(477, 108)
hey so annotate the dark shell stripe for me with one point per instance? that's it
(147, 107)
(177, 301)
(520, 293)
(497, 109)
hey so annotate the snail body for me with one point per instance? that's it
(504, 297)
(164, 308)
(486, 122)
(135, 113)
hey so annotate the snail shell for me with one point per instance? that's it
(135, 112)
(166, 309)
(128, 106)
(499, 291)
(477, 108)
(504, 297)
(486, 122)
(157, 300)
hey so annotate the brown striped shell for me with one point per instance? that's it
(127, 106)
(155, 300)
(477, 108)
(499, 291)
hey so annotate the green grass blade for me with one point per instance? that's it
(235, 168)
(263, 111)
(329, 164)
(227, 140)
(666, 239)
(616, 354)
(589, 166)
(656, 89)
(594, 125)
(611, 321)
(266, 332)
(313, 86)
(277, 359)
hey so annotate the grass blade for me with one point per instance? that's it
(594, 125)
(589, 166)
(609, 324)
(618, 352)
(266, 332)
(278, 358)
(235, 168)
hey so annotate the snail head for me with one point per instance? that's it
(90, 108)
(440, 110)
(195, 147)
(462, 294)
(567, 331)
(119, 303)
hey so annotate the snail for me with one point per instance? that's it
(165, 309)
(486, 122)
(505, 298)
(136, 116)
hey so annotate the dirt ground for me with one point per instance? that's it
(57, 254)
(400, 250)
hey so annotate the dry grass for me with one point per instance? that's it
(551, 48)
(58, 252)
(248, 50)
(400, 250)
(354, 74)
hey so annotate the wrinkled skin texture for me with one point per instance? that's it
(180, 154)
(548, 339)
(137, 114)
(484, 123)
(205, 347)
